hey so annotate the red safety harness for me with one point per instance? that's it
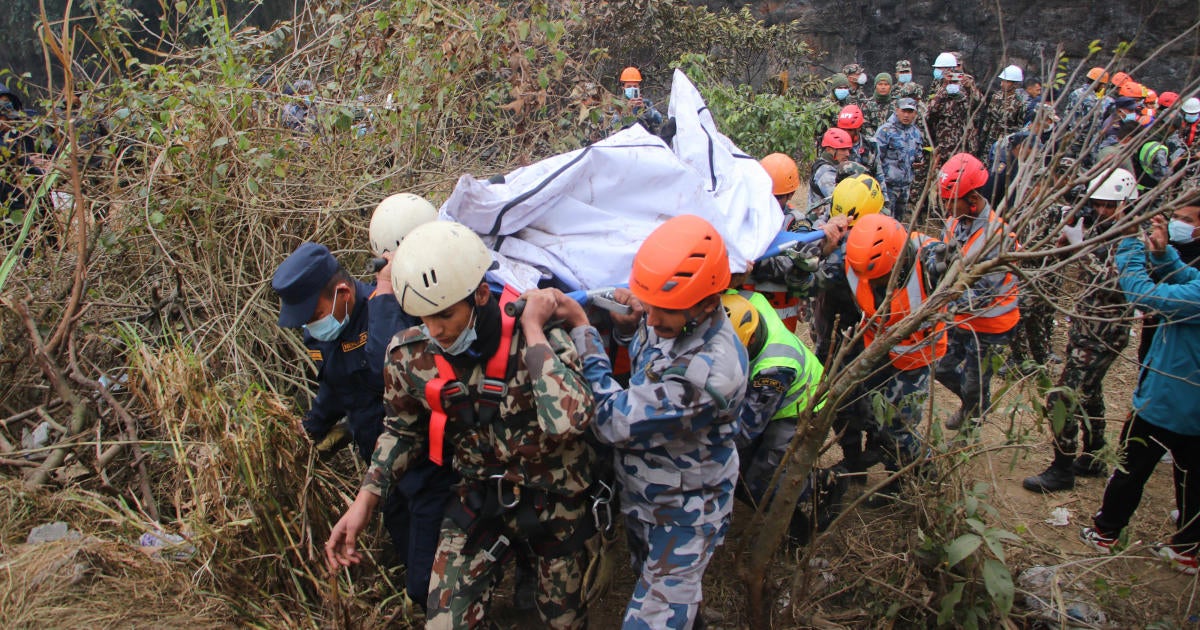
(446, 392)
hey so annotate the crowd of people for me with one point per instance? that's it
(500, 426)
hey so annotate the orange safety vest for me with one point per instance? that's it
(785, 304)
(1002, 314)
(916, 350)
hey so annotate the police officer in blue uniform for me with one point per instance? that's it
(347, 326)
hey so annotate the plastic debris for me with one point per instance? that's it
(51, 532)
(1059, 517)
(1044, 596)
(166, 546)
(39, 437)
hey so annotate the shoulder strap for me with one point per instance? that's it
(494, 386)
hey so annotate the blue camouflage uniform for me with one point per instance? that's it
(672, 432)
(350, 386)
(899, 147)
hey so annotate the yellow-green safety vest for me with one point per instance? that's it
(783, 349)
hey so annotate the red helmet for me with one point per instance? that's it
(682, 262)
(851, 117)
(961, 174)
(837, 139)
(1167, 99)
(874, 245)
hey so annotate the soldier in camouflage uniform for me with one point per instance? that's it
(951, 117)
(856, 75)
(519, 445)
(1099, 333)
(900, 152)
(878, 108)
(672, 429)
(1005, 110)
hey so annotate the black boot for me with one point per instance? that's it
(1086, 465)
(1056, 478)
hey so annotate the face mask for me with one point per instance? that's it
(952, 88)
(904, 78)
(464, 341)
(862, 79)
(631, 93)
(841, 93)
(937, 73)
(1129, 117)
(1191, 117)
(1180, 232)
(327, 328)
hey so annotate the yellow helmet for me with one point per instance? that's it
(857, 197)
(742, 315)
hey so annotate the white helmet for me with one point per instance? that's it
(1012, 73)
(945, 60)
(395, 217)
(1120, 185)
(1191, 106)
(438, 265)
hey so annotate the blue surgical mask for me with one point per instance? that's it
(1191, 117)
(1129, 117)
(1180, 232)
(631, 92)
(953, 88)
(937, 73)
(841, 93)
(904, 77)
(460, 345)
(327, 328)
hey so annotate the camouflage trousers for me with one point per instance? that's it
(464, 579)
(1087, 362)
(670, 561)
(897, 197)
(896, 399)
(762, 458)
(1031, 337)
(966, 369)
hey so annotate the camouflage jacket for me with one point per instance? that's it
(790, 271)
(673, 429)
(899, 148)
(875, 113)
(950, 122)
(821, 183)
(1005, 113)
(1102, 315)
(866, 152)
(537, 441)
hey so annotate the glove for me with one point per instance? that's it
(1074, 233)
(334, 441)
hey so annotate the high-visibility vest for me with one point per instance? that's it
(926, 344)
(1002, 314)
(783, 349)
(786, 305)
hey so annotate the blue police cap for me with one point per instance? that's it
(299, 282)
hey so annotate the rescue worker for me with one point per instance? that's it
(987, 312)
(633, 106)
(347, 325)
(1005, 110)
(1166, 403)
(863, 150)
(1099, 333)
(672, 430)
(784, 375)
(785, 180)
(507, 402)
(905, 86)
(877, 249)
(856, 76)
(1033, 97)
(840, 92)
(945, 63)
(1085, 112)
(835, 314)
(950, 118)
(1183, 231)
(900, 154)
(878, 108)
(835, 149)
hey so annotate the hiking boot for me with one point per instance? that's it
(1086, 465)
(956, 422)
(1096, 540)
(1056, 478)
(1183, 561)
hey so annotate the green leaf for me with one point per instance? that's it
(157, 218)
(181, 6)
(998, 581)
(962, 547)
(219, 142)
(949, 602)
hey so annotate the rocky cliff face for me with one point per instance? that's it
(994, 34)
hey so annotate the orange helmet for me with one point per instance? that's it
(631, 74)
(836, 139)
(1131, 89)
(961, 174)
(1151, 96)
(785, 176)
(1097, 74)
(874, 245)
(1167, 99)
(1120, 78)
(682, 262)
(851, 117)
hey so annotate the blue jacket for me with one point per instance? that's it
(350, 369)
(1169, 395)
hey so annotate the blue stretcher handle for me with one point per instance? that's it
(786, 240)
(584, 297)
